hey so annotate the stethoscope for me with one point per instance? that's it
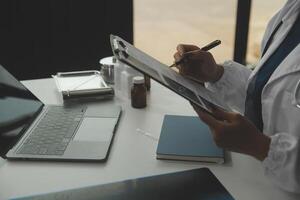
(295, 100)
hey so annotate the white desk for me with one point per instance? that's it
(132, 155)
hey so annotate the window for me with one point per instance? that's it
(160, 25)
(261, 13)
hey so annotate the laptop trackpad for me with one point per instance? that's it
(96, 129)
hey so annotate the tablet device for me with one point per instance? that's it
(190, 90)
(191, 184)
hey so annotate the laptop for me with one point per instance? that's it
(34, 131)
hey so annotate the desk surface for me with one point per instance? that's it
(132, 155)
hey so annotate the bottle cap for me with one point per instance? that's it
(138, 80)
(107, 61)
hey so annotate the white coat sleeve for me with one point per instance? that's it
(282, 165)
(232, 86)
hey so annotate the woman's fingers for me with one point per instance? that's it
(207, 118)
(183, 48)
(177, 56)
(224, 115)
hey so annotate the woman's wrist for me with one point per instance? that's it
(219, 73)
(261, 147)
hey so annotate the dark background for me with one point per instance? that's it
(41, 37)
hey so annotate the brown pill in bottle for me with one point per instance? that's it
(138, 93)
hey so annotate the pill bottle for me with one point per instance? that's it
(107, 69)
(117, 78)
(127, 80)
(138, 92)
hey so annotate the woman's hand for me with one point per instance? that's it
(234, 132)
(198, 65)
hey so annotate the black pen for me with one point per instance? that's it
(205, 48)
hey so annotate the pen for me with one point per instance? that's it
(205, 48)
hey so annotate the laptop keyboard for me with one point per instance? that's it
(53, 133)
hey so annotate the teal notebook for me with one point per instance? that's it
(187, 138)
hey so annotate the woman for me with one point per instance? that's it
(270, 127)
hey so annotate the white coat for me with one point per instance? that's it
(281, 117)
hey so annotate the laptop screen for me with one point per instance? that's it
(18, 107)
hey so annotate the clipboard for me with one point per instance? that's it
(190, 90)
